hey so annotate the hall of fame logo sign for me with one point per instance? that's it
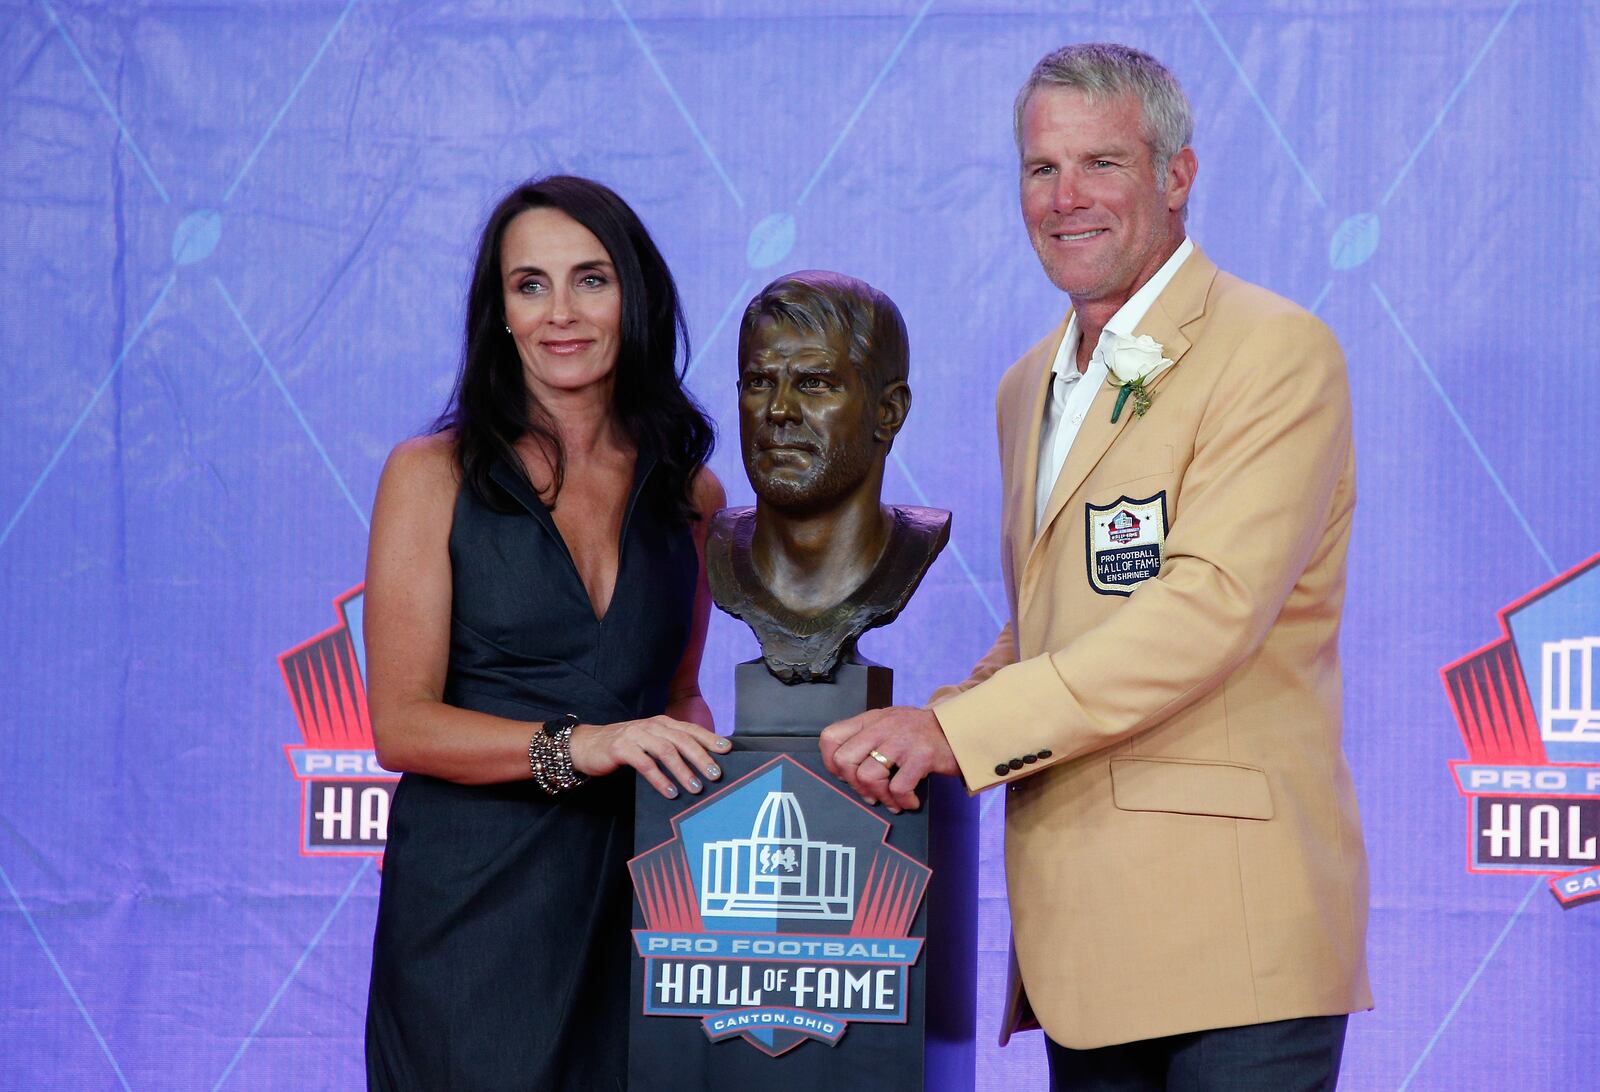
(778, 913)
(345, 794)
(1529, 710)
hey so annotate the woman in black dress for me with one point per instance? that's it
(535, 613)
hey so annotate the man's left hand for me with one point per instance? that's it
(909, 739)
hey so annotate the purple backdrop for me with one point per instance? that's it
(235, 241)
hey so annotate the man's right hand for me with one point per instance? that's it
(909, 739)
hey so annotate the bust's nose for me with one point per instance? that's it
(781, 406)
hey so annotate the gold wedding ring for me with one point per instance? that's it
(887, 765)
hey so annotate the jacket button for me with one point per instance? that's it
(1016, 763)
(1002, 769)
(1044, 754)
(1030, 759)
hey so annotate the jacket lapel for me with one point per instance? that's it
(1025, 458)
(1181, 303)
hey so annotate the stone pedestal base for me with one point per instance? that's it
(763, 706)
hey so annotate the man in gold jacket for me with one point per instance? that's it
(1187, 879)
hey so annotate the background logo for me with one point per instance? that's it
(345, 794)
(1528, 706)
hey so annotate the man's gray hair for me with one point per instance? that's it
(1105, 70)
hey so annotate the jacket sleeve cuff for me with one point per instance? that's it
(1001, 728)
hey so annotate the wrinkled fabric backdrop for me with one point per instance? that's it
(235, 242)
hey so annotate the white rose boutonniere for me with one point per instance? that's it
(1133, 363)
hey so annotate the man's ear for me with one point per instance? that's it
(1181, 170)
(893, 405)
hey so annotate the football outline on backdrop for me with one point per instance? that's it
(1532, 775)
(345, 795)
(748, 851)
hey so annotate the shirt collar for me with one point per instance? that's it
(1128, 316)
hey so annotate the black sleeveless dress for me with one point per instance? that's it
(500, 959)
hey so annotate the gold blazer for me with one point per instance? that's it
(1183, 849)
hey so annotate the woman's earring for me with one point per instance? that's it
(508, 329)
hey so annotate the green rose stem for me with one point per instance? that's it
(1122, 398)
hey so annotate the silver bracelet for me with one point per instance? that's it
(550, 755)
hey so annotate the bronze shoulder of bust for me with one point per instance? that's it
(809, 647)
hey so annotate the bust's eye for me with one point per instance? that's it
(754, 382)
(814, 383)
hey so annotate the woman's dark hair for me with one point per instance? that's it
(491, 407)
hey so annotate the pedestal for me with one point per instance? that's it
(765, 707)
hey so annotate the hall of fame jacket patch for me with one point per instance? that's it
(1125, 540)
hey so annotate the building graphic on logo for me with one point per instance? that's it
(1532, 775)
(778, 912)
(1124, 527)
(778, 872)
(345, 794)
(1570, 705)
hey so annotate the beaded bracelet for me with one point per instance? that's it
(550, 756)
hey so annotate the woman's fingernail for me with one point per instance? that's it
(671, 793)
(694, 784)
(713, 772)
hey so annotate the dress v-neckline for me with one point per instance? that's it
(522, 492)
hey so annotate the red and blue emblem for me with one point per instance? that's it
(1528, 706)
(345, 794)
(777, 912)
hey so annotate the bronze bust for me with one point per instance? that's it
(819, 560)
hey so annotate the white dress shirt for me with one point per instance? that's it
(1071, 393)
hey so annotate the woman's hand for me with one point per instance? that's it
(654, 746)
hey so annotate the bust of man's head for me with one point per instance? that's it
(823, 361)
(822, 389)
